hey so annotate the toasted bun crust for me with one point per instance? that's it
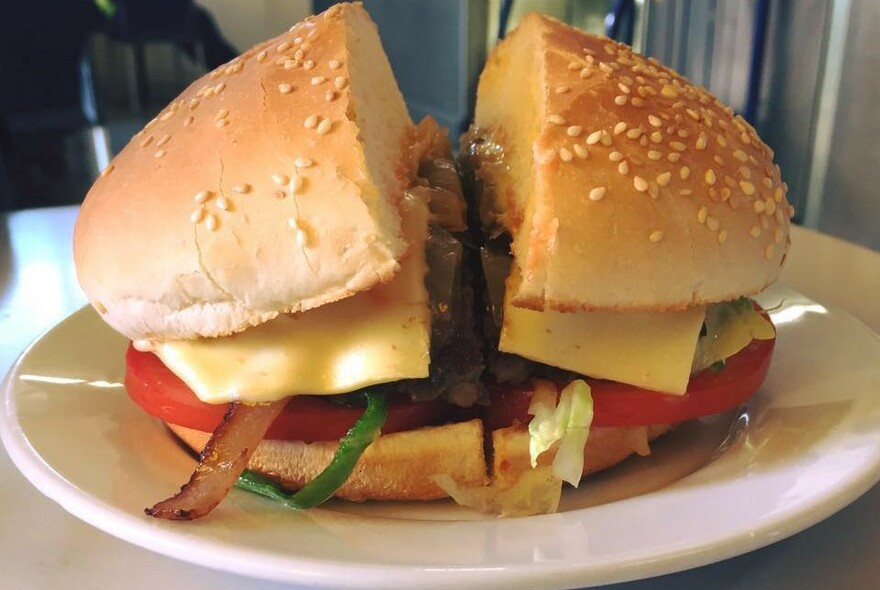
(623, 185)
(270, 185)
(399, 466)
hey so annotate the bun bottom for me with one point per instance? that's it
(399, 466)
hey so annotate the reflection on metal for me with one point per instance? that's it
(643, 20)
(829, 93)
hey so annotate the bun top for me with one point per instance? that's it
(623, 185)
(270, 185)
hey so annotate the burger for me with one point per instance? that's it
(309, 310)
(628, 217)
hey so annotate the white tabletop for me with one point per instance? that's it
(41, 546)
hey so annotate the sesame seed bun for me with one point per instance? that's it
(399, 466)
(270, 185)
(623, 185)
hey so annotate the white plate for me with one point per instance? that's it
(811, 446)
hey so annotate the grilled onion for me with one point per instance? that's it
(222, 460)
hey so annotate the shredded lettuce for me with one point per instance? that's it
(566, 422)
(729, 328)
(536, 491)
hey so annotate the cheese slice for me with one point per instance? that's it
(376, 336)
(653, 350)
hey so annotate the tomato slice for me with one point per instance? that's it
(618, 404)
(162, 394)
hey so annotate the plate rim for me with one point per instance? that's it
(330, 573)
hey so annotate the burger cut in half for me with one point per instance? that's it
(629, 216)
(264, 243)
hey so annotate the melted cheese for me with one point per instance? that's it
(377, 336)
(653, 350)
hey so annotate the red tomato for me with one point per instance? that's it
(618, 404)
(307, 418)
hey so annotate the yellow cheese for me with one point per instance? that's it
(377, 336)
(653, 350)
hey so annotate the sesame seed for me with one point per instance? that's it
(202, 196)
(597, 193)
(107, 170)
(702, 214)
(767, 182)
(684, 173)
(562, 89)
(221, 123)
(770, 206)
(556, 119)
(219, 87)
(188, 121)
(594, 137)
(712, 223)
(624, 88)
(290, 64)
(316, 80)
(637, 102)
(740, 155)
(768, 251)
(654, 155)
(674, 157)
(280, 179)
(197, 215)
(330, 95)
(334, 64)
(580, 151)
(623, 168)
(619, 128)
(710, 177)
(565, 155)
(605, 67)
(221, 114)
(297, 40)
(574, 66)
(745, 138)
(262, 55)
(721, 141)
(285, 88)
(158, 153)
(655, 236)
(303, 163)
(777, 195)
(755, 231)
(241, 189)
(718, 160)
(669, 91)
(677, 146)
(633, 133)
(296, 184)
(606, 139)
(574, 130)
(311, 122)
(299, 55)
(167, 115)
(654, 121)
(664, 178)
(722, 236)
(324, 127)
(640, 184)
(223, 203)
(147, 141)
(692, 114)
(620, 100)
(745, 172)
(615, 156)
(211, 222)
(339, 82)
(778, 235)
(308, 65)
(747, 187)
(656, 137)
(163, 140)
(282, 46)
(759, 206)
(194, 103)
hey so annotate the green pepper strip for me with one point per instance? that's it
(351, 447)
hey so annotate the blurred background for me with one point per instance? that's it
(80, 77)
